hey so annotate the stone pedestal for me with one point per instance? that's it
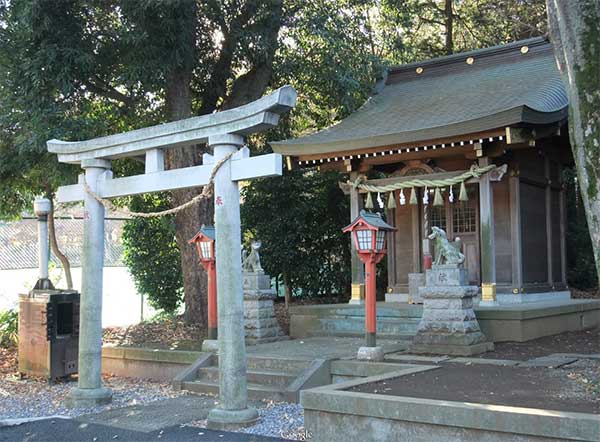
(357, 294)
(449, 325)
(415, 280)
(261, 324)
(374, 354)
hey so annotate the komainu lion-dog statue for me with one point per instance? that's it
(446, 252)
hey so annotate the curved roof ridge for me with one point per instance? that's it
(511, 87)
(460, 56)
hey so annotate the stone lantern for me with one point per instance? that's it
(205, 245)
(369, 238)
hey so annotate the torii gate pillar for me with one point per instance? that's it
(89, 391)
(224, 131)
(233, 407)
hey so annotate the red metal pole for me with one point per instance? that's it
(370, 295)
(212, 301)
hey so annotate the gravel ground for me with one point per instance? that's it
(36, 398)
(277, 419)
(280, 419)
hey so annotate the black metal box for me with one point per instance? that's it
(48, 333)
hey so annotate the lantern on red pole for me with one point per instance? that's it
(205, 245)
(369, 238)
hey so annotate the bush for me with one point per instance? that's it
(299, 220)
(152, 255)
(8, 328)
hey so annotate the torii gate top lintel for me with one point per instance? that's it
(230, 164)
(253, 117)
(227, 127)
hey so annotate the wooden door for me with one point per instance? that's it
(461, 219)
(465, 225)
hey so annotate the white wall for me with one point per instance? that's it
(121, 303)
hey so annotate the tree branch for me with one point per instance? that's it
(107, 91)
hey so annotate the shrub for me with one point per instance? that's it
(152, 255)
(8, 328)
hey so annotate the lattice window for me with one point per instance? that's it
(437, 217)
(464, 217)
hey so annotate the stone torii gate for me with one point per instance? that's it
(224, 132)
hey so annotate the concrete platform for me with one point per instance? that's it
(508, 322)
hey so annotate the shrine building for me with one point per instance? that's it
(473, 143)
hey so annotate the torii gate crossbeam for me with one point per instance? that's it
(224, 132)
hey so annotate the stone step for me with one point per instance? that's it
(340, 326)
(408, 337)
(265, 363)
(263, 377)
(255, 391)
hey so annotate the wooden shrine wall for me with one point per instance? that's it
(542, 219)
(502, 231)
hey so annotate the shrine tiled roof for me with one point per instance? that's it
(467, 93)
(19, 243)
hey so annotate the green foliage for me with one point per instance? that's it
(9, 320)
(581, 267)
(409, 30)
(152, 254)
(299, 220)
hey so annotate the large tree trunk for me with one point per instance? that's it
(246, 88)
(449, 21)
(575, 33)
(188, 222)
(178, 97)
(64, 260)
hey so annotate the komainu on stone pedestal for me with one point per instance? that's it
(261, 325)
(449, 325)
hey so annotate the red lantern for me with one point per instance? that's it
(205, 245)
(369, 238)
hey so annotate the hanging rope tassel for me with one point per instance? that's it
(402, 197)
(413, 196)
(462, 196)
(451, 196)
(391, 201)
(369, 202)
(437, 198)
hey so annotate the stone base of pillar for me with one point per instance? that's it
(228, 420)
(488, 295)
(88, 397)
(356, 302)
(210, 345)
(415, 280)
(374, 354)
(261, 325)
(449, 325)
(357, 294)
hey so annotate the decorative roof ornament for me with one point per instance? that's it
(462, 196)
(437, 198)
(369, 202)
(391, 201)
(413, 196)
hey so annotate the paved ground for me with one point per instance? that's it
(156, 415)
(167, 415)
(67, 430)
(326, 347)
